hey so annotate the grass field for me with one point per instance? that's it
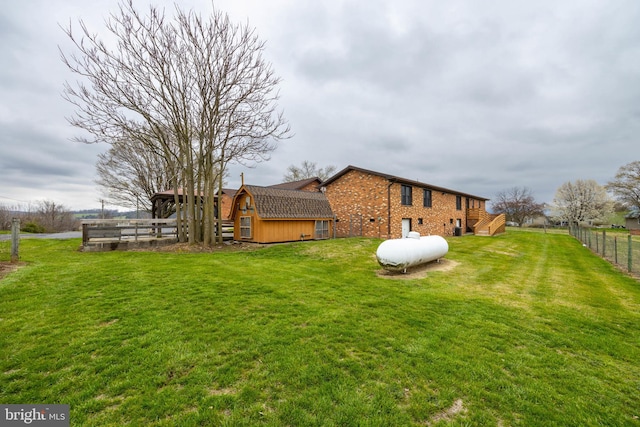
(527, 329)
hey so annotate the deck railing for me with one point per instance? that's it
(131, 230)
(490, 225)
(124, 233)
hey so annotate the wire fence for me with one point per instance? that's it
(620, 249)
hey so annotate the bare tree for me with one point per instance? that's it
(54, 217)
(195, 91)
(582, 201)
(130, 174)
(626, 185)
(518, 205)
(6, 215)
(307, 170)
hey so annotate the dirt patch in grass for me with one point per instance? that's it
(9, 267)
(448, 414)
(419, 271)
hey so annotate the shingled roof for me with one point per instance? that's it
(278, 203)
(392, 178)
(297, 185)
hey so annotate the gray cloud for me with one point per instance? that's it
(473, 96)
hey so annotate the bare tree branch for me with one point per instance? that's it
(626, 185)
(197, 92)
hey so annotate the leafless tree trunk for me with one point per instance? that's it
(54, 217)
(130, 173)
(626, 185)
(198, 87)
(518, 205)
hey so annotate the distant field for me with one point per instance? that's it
(521, 329)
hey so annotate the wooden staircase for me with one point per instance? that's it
(488, 224)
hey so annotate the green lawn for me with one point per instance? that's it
(528, 329)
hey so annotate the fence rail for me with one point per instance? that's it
(135, 230)
(109, 234)
(620, 249)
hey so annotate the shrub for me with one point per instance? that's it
(33, 227)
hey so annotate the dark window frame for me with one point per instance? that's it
(427, 198)
(406, 195)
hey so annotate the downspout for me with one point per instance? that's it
(391, 182)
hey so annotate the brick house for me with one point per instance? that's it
(373, 204)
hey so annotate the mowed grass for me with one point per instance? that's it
(528, 329)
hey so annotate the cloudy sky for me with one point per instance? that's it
(473, 96)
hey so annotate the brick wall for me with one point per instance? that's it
(440, 219)
(359, 202)
(369, 205)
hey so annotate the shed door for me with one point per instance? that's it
(406, 226)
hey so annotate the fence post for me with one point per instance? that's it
(629, 263)
(604, 243)
(615, 249)
(15, 239)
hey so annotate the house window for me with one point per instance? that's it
(419, 221)
(245, 227)
(427, 198)
(405, 192)
(459, 203)
(322, 229)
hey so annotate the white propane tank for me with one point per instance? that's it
(400, 254)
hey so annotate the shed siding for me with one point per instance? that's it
(272, 230)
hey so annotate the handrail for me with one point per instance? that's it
(116, 230)
(491, 224)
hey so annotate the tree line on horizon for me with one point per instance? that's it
(580, 202)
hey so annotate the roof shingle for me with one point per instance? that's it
(278, 203)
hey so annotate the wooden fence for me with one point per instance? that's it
(111, 234)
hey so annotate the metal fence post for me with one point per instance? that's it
(615, 249)
(629, 263)
(15, 239)
(604, 243)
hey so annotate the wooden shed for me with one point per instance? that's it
(270, 215)
(632, 222)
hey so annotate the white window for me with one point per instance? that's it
(245, 227)
(322, 229)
